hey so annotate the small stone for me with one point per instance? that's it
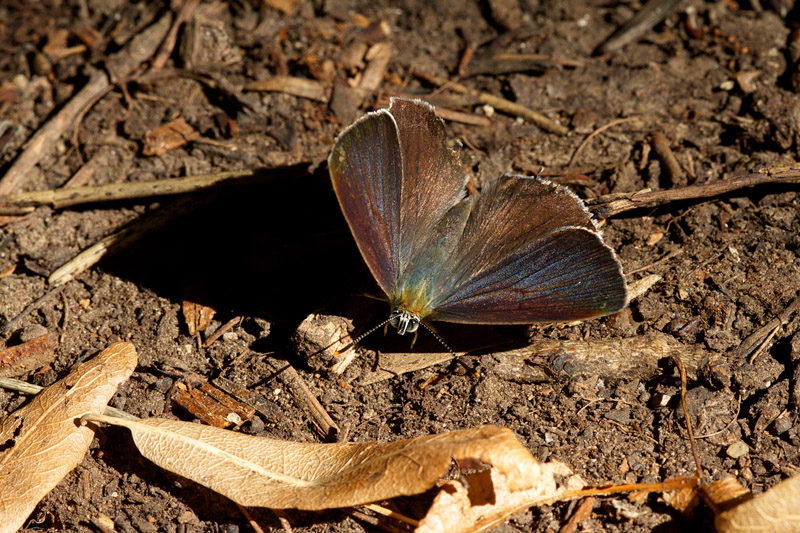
(659, 399)
(623, 416)
(737, 449)
(782, 425)
(32, 332)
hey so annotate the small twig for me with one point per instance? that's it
(29, 388)
(249, 518)
(325, 425)
(222, 330)
(498, 103)
(573, 63)
(664, 153)
(374, 521)
(664, 259)
(613, 204)
(22, 202)
(583, 512)
(643, 21)
(392, 514)
(9, 326)
(283, 518)
(758, 340)
(168, 45)
(595, 133)
(669, 484)
(689, 428)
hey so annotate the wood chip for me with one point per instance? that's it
(214, 407)
(198, 316)
(302, 87)
(31, 355)
(168, 137)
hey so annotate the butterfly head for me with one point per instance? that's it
(405, 321)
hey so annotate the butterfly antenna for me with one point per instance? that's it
(361, 337)
(451, 351)
(441, 340)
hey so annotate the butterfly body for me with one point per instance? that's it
(521, 250)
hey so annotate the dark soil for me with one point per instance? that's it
(717, 79)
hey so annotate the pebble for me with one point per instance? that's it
(782, 425)
(623, 416)
(737, 449)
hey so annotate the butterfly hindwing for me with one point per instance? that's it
(529, 253)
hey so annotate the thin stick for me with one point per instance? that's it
(29, 388)
(689, 428)
(22, 202)
(392, 514)
(613, 204)
(227, 326)
(168, 45)
(596, 132)
(8, 326)
(758, 340)
(643, 21)
(583, 512)
(664, 153)
(664, 259)
(249, 518)
(669, 484)
(501, 104)
(323, 422)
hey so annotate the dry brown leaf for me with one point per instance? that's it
(262, 472)
(30, 355)
(168, 137)
(42, 441)
(486, 500)
(198, 316)
(775, 511)
(726, 493)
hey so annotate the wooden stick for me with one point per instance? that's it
(643, 21)
(325, 425)
(664, 153)
(22, 202)
(498, 103)
(614, 204)
(29, 388)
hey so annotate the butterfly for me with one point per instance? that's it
(519, 251)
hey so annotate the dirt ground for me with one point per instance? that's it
(719, 81)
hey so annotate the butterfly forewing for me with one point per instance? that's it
(367, 172)
(433, 179)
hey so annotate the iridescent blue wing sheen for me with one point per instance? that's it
(367, 172)
(395, 179)
(529, 252)
(433, 179)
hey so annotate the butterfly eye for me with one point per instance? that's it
(404, 321)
